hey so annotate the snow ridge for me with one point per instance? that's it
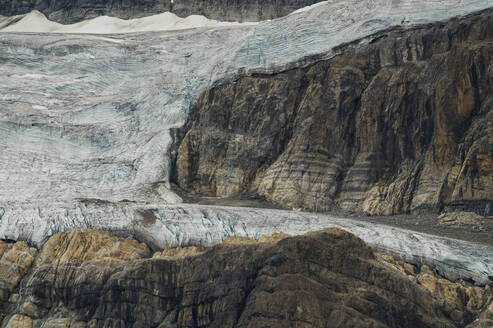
(36, 22)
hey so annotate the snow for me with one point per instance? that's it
(86, 119)
(36, 22)
(88, 116)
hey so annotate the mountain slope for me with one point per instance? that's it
(398, 122)
(322, 279)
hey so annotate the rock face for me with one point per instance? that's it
(328, 278)
(475, 300)
(398, 124)
(461, 219)
(15, 261)
(97, 129)
(68, 11)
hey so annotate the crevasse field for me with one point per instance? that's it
(85, 122)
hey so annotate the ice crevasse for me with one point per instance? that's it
(85, 119)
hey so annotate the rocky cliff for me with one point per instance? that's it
(68, 11)
(398, 122)
(328, 278)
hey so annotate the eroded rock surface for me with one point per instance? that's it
(327, 278)
(15, 261)
(398, 124)
(462, 219)
(476, 300)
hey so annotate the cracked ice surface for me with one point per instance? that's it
(89, 117)
(187, 224)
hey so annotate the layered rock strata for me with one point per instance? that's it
(327, 278)
(397, 123)
(15, 261)
(476, 300)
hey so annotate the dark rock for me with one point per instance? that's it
(69, 11)
(398, 124)
(322, 279)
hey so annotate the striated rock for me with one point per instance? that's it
(66, 11)
(322, 278)
(82, 246)
(461, 219)
(178, 252)
(274, 238)
(473, 298)
(70, 259)
(15, 261)
(19, 321)
(485, 320)
(108, 144)
(476, 300)
(407, 268)
(397, 124)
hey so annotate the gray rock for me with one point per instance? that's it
(69, 11)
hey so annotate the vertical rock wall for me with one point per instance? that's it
(397, 124)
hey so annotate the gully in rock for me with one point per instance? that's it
(285, 163)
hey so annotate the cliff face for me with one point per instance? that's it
(68, 11)
(397, 124)
(328, 278)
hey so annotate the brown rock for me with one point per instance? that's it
(4, 247)
(15, 261)
(30, 310)
(88, 245)
(274, 238)
(328, 278)
(407, 268)
(461, 219)
(401, 123)
(178, 252)
(19, 321)
(474, 299)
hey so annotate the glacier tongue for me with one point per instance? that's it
(186, 224)
(88, 117)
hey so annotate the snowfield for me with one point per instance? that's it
(36, 22)
(86, 113)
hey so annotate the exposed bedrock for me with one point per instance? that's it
(69, 11)
(401, 123)
(322, 279)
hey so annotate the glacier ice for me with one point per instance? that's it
(88, 116)
(189, 224)
(85, 125)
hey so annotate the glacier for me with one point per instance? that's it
(85, 123)
(176, 225)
